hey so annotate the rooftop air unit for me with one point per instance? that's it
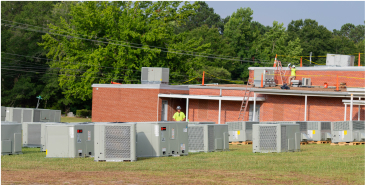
(11, 138)
(268, 77)
(340, 60)
(348, 131)
(34, 134)
(208, 137)
(240, 130)
(70, 141)
(315, 130)
(155, 75)
(3, 113)
(115, 142)
(275, 137)
(200, 122)
(306, 82)
(156, 139)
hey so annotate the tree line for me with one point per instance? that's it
(59, 49)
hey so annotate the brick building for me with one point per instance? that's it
(221, 103)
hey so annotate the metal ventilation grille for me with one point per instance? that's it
(312, 126)
(249, 125)
(196, 138)
(233, 126)
(325, 125)
(211, 138)
(34, 134)
(358, 125)
(284, 142)
(267, 138)
(341, 125)
(303, 126)
(117, 142)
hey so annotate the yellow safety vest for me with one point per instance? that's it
(179, 116)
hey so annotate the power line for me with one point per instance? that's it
(136, 46)
(125, 41)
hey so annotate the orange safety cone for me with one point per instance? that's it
(276, 56)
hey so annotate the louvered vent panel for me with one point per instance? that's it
(358, 125)
(326, 125)
(196, 138)
(267, 138)
(341, 125)
(117, 142)
(284, 142)
(211, 138)
(303, 126)
(312, 126)
(34, 134)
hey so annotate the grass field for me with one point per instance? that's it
(74, 119)
(315, 164)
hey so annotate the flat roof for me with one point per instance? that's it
(142, 86)
(318, 68)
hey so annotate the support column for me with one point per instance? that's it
(305, 109)
(345, 112)
(351, 105)
(358, 114)
(187, 109)
(219, 113)
(254, 107)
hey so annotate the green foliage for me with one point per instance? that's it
(83, 113)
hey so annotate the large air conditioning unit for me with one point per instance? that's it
(340, 60)
(240, 130)
(155, 139)
(200, 122)
(3, 113)
(275, 137)
(70, 140)
(348, 131)
(155, 75)
(34, 134)
(115, 142)
(306, 82)
(267, 75)
(315, 130)
(208, 137)
(11, 138)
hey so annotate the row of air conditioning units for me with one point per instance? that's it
(342, 131)
(20, 115)
(123, 141)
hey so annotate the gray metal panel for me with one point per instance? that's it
(196, 138)
(17, 115)
(51, 115)
(37, 116)
(11, 134)
(144, 75)
(34, 135)
(28, 115)
(3, 113)
(57, 117)
(340, 60)
(165, 75)
(212, 139)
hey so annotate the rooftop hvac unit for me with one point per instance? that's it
(275, 137)
(11, 138)
(156, 139)
(340, 60)
(208, 137)
(200, 122)
(315, 130)
(115, 142)
(70, 140)
(3, 113)
(348, 131)
(41, 115)
(34, 134)
(306, 82)
(155, 75)
(240, 130)
(268, 77)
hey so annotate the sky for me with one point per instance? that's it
(331, 14)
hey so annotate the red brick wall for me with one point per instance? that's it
(318, 78)
(127, 104)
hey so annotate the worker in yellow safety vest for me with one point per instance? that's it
(293, 73)
(179, 116)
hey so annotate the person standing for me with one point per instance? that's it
(179, 116)
(293, 73)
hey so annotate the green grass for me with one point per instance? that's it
(74, 119)
(315, 164)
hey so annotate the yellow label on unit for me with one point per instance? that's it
(46, 151)
(345, 132)
(314, 131)
(160, 79)
(238, 132)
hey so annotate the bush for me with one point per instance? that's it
(83, 113)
